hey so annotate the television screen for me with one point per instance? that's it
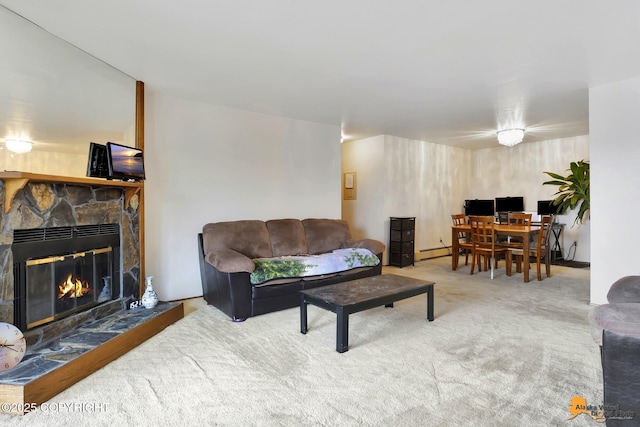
(546, 207)
(125, 163)
(97, 166)
(479, 207)
(509, 204)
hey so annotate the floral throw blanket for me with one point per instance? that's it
(311, 265)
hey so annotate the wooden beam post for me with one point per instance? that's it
(140, 144)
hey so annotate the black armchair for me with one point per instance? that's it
(616, 328)
(621, 374)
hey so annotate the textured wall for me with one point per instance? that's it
(403, 177)
(428, 181)
(518, 171)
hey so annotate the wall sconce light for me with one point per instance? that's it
(510, 137)
(18, 146)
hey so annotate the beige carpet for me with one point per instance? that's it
(499, 353)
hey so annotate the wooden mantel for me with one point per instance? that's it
(15, 181)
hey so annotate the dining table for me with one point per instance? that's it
(526, 232)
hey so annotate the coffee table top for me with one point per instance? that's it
(368, 288)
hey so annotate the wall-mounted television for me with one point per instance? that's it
(510, 204)
(546, 207)
(125, 163)
(97, 166)
(479, 207)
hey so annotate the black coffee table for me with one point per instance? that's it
(362, 294)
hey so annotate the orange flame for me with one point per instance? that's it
(72, 288)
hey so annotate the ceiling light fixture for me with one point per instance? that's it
(18, 146)
(510, 137)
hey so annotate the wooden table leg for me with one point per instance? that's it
(525, 258)
(455, 251)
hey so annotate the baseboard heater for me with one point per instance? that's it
(438, 252)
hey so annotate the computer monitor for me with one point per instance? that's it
(97, 166)
(125, 163)
(546, 207)
(479, 207)
(510, 204)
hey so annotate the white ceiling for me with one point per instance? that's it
(445, 71)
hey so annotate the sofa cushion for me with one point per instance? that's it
(249, 237)
(325, 235)
(287, 237)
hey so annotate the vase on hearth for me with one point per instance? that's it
(149, 298)
(105, 294)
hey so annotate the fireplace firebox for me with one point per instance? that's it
(59, 271)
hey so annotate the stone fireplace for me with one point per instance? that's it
(59, 271)
(110, 252)
(86, 234)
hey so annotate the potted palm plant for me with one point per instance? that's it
(573, 190)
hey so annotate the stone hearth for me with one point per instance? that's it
(50, 369)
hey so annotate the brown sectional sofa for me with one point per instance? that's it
(227, 249)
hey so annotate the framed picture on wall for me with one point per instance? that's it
(350, 187)
(348, 180)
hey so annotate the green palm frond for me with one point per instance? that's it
(573, 190)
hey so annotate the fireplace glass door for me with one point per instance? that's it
(61, 285)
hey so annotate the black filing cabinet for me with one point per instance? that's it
(401, 241)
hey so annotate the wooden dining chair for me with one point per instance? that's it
(464, 239)
(519, 218)
(516, 218)
(484, 244)
(503, 219)
(541, 252)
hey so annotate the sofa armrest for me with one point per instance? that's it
(625, 290)
(230, 261)
(375, 246)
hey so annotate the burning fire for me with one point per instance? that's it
(72, 288)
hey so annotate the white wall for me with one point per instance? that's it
(365, 157)
(207, 163)
(518, 171)
(46, 162)
(403, 177)
(615, 153)
(428, 181)
(59, 158)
